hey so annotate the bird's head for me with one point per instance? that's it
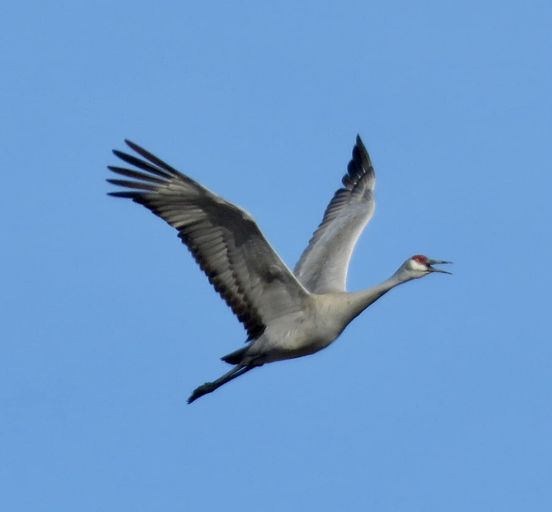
(419, 266)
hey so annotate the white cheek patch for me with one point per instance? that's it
(414, 265)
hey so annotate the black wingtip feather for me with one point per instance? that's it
(142, 164)
(125, 195)
(360, 152)
(132, 184)
(361, 145)
(152, 158)
(129, 173)
(359, 165)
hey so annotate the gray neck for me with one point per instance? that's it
(361, 300)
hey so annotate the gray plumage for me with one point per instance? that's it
(285, 314)
(323, 265)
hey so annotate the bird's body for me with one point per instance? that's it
(286, 314)
(320, 321)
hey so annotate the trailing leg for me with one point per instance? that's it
(209, 387)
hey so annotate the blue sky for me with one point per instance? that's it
(437, 398)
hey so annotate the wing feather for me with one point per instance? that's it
(224, 240)
(323, 265)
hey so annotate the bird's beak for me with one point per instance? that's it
(438, 262)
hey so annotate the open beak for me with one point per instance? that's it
(430, 264)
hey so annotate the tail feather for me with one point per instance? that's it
(235, 357)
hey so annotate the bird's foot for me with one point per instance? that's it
(200, 391)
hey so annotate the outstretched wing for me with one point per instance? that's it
(224, 239)
(323, 266)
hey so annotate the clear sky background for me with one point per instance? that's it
(437, 398)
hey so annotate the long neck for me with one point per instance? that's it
(361, 300)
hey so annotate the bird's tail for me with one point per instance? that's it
(209, 387)
(235, 357)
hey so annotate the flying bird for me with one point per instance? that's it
(286, 314)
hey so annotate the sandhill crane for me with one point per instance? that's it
(286, 314)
